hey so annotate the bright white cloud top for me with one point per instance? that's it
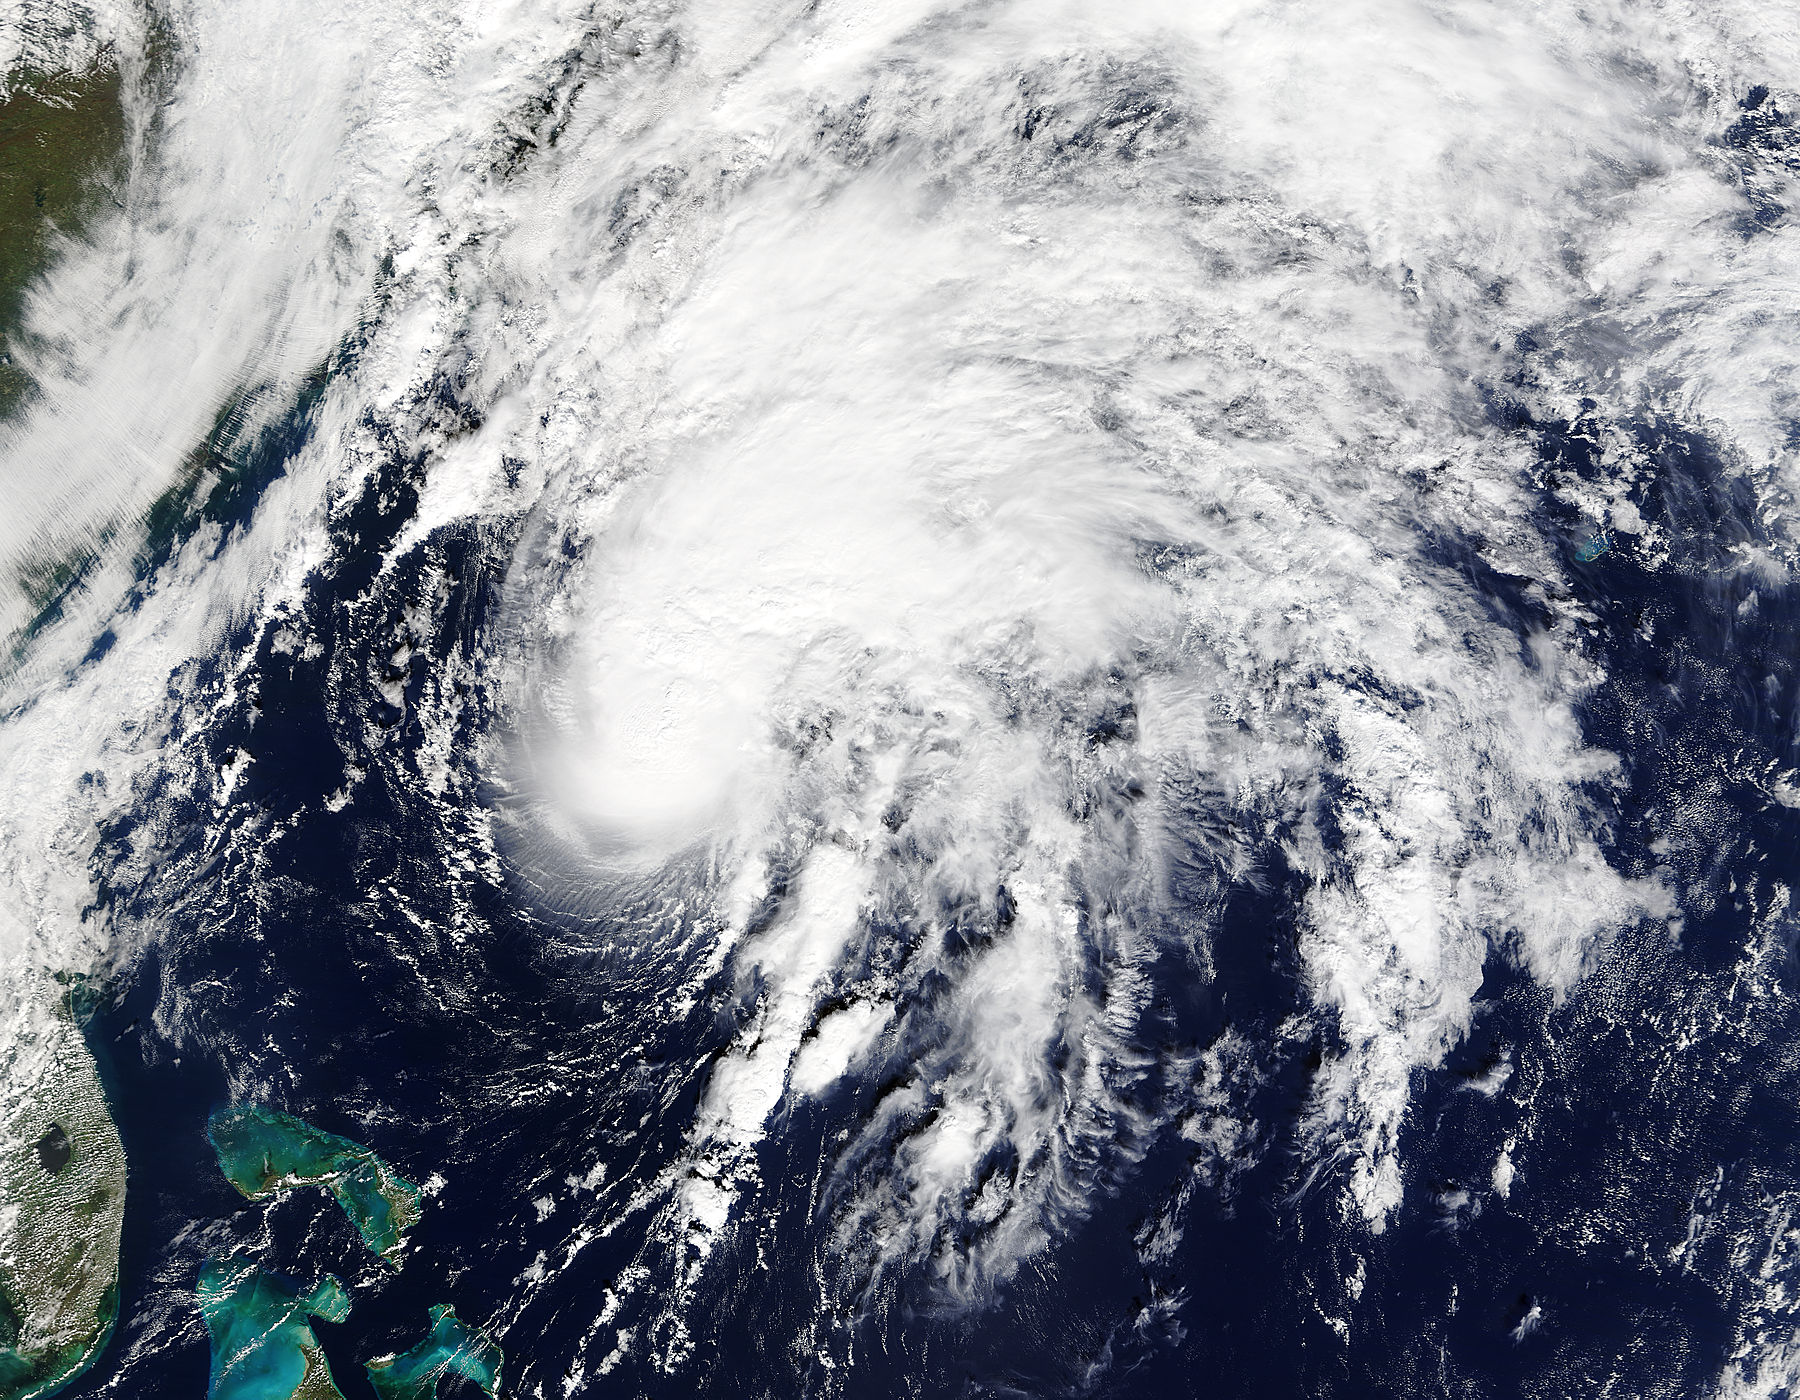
(962, 491)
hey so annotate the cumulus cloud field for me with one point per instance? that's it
(965, 491)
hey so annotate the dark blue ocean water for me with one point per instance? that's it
(308, 953)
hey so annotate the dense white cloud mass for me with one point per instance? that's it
(970, 478)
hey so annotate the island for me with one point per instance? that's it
(62, 1179)
(267, 1153)
(263, 1347)
(451, 1347)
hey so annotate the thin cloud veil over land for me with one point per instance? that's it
(981, 700)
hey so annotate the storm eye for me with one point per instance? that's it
(54, 1149)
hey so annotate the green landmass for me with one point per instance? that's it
(451, 1347)
(248, 446)
(263, 1346)
(62, 1204)
(266, 1153)
(47, 584)
(61, 136)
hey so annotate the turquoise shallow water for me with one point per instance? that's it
(264, 1152)
(451, 1347)
(263, 1346)
(27, 1378)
